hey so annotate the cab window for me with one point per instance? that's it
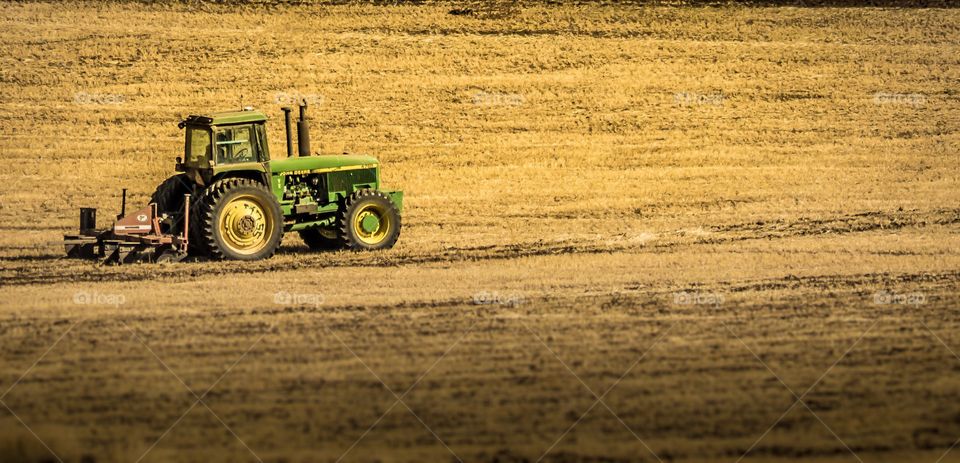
(236, 144)
(198, 145)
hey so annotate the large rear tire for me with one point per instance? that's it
(239, 219)
(198, 245)
(169, 200)
(368, 221)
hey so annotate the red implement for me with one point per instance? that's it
(137, 237)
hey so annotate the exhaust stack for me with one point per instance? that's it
(303, 131)
(287, 124)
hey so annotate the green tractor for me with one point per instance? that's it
(231, 201)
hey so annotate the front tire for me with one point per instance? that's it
(368, 221)
(239, 219)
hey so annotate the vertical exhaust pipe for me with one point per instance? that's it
(289, 126)
(303, 131)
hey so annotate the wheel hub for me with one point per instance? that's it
(245, 225)
(370, 223)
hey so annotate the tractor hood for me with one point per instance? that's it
(326, 163)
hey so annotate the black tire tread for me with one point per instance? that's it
(169, 193)
(197, 243)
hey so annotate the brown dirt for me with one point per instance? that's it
(698, 215)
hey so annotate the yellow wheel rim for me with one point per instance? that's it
(372, 223)
(245, 225)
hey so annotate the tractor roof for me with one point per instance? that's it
(226, 117)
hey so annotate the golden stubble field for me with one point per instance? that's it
(631, 234)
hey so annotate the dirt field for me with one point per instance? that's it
(630, 234)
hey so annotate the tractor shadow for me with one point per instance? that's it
(294, 249)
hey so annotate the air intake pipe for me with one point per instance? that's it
(289, 126)
(303, 131)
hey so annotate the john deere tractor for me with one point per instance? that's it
(232, 201)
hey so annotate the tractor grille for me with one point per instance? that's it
(344, 181)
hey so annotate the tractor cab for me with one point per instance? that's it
(224, 141)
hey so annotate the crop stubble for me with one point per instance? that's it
(583, 172)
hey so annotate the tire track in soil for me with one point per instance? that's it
(778, 229)
(635, 296)
(823, 282)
